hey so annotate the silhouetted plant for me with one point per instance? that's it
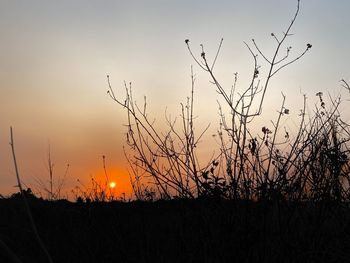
(168, 159)
(97, 190)
(53, 187)
(270, 165)
(24, 193)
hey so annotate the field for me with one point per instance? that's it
(202, 230)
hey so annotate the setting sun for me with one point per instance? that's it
(112, 184)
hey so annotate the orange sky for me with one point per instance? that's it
(55, 56)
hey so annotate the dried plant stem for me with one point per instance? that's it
(11, 254)
(312, 165)
(25, 201)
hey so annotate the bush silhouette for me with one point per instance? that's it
(268, 165)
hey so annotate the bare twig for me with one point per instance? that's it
(25, 201)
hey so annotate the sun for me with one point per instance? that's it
(112, 185)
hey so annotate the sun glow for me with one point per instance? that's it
(112, 185)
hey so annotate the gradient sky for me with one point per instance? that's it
(55, 55)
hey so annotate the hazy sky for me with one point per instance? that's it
(55, 55)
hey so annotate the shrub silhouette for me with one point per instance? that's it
(271, 165)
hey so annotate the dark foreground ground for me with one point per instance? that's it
(177, 231)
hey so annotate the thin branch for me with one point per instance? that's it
(25, 201)
(217, 54)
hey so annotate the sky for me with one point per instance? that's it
(55, 55)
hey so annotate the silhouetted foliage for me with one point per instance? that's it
(312, 164)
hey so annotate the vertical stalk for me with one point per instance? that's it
(25, 201)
